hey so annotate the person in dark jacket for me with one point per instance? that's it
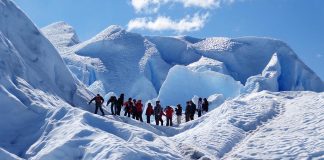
(149, 112)
(139, 110)
(205, 105)
(199, 107)
(119, 104)
(128, 107)
(112, 101)
(134, 110)
(169, 114)
(99, 101)
(179, 113)
(187, 112)
(158, 112)
(193, 109)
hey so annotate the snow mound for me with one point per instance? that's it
(205, 64)
(127, 62)
(183, 84)
(248, 56)
(125, 57)
(174, 50)
(61, 35)
(268, 80)
(215, 100)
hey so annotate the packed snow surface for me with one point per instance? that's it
(44, 112)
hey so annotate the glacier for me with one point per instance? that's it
(150, 59)
(265, 102)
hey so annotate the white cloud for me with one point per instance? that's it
(147, 5)
(201, 3)
(150, 6)
(319, 55)
(162, 23)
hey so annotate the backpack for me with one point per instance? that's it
(179, 111)
(169, 112)
(205, 106)
(149, 110)
(193, 108)
(98, 99)
(157, 110)
(139, 107)
(133, 108)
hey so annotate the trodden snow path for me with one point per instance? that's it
(280, 110)
(245, 124)
(297, 132)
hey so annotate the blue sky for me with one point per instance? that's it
(300, 23)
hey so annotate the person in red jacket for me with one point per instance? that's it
(99, 101)
(128, 107)
(139, 109)
(149, 112)
(169, 113)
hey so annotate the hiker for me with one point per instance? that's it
(178, 113)
(169, 113)
(205, 105)
(119, 104)
(128, 107)
(187, 112)
(193, 109)
(139, 110)
(134, 110)
(99, 101)
(112, 101)
(158, 112)
(149, 112)
(199, 107)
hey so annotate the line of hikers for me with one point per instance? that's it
(134, 108)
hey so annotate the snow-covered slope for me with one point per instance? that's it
(33, 79)
(261, 125)
(28, 56)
